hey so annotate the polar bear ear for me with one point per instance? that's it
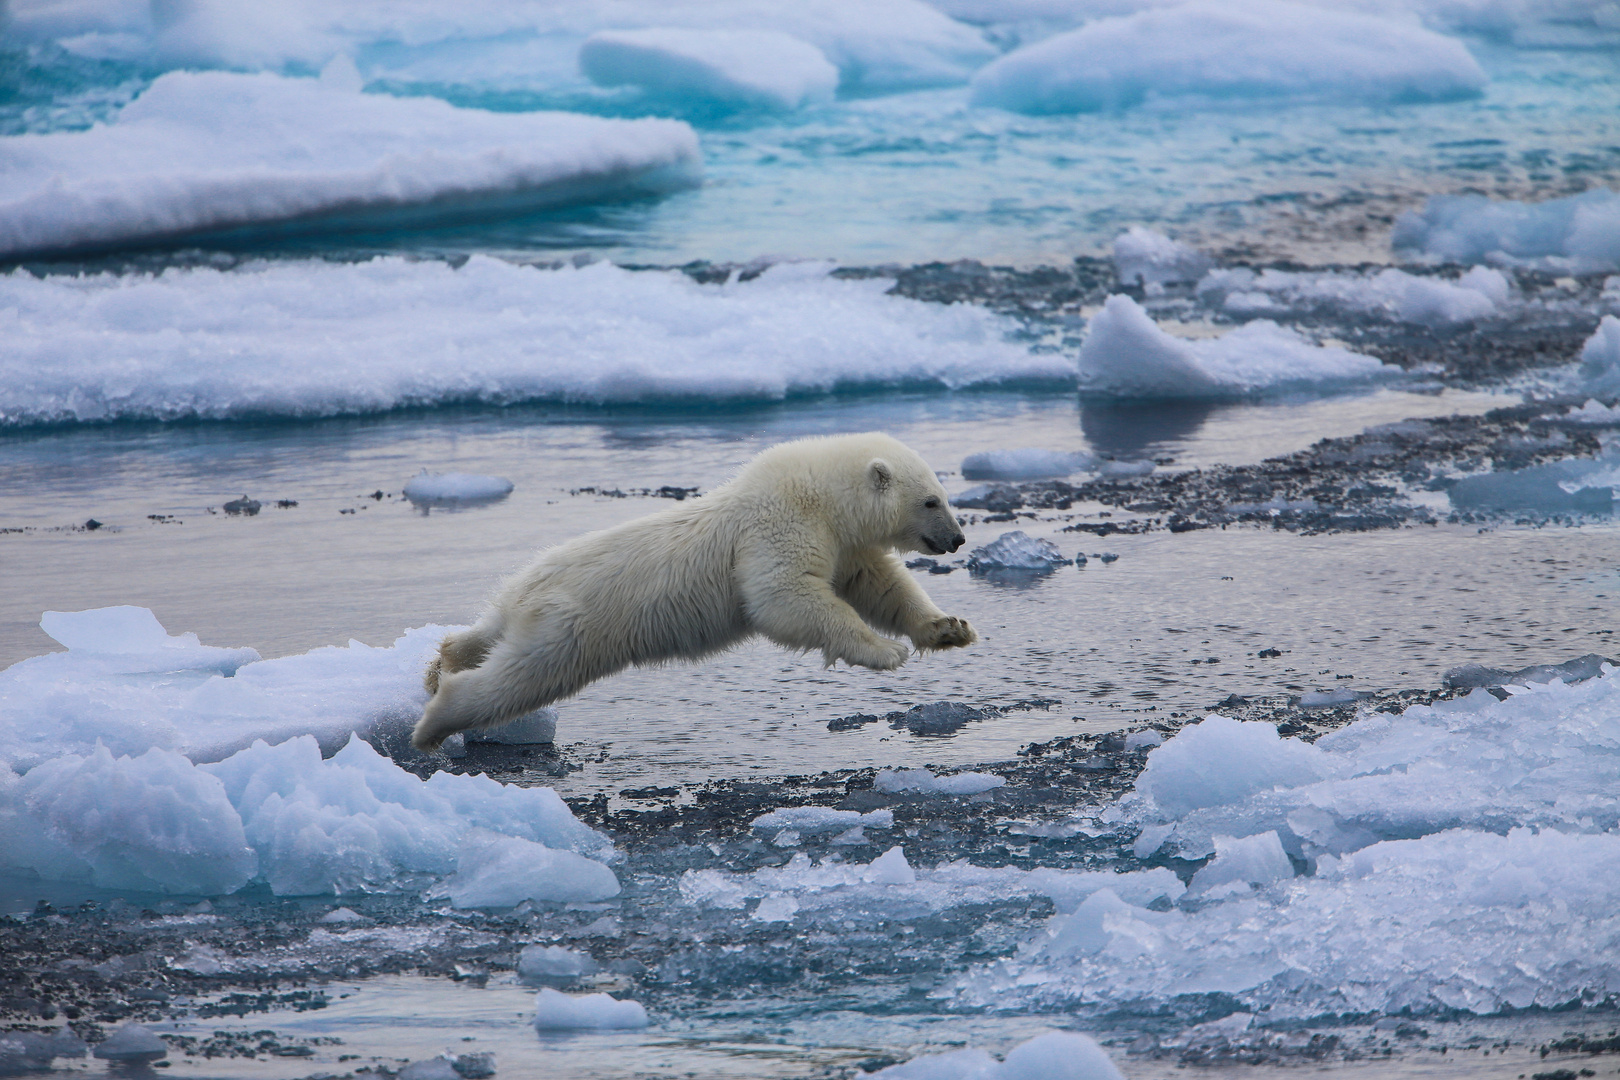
(882, 476)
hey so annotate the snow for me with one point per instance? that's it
(1424, 300)
(1593, 412)
(761, 69)
(1600, 359)
(1577, 233)
(1057, 1055)
(312, 338)
(1025, 463)
(1017, 551)
(921, 780)
(557, 1011)
(1211, 52)
(433, 489)
(1145, 257)
(1570, 486)
(144, 761)
(1125, 355)
(205, 152)
(1459, 856)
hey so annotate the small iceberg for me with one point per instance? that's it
(455, 489)
(896, 781)
(1394, 294)
(557, 1011)
(1211, 52)
(1148, 258)
(1057, 1055)
(1600, 364)
(758, 69)
(1017, 552)
(1126, 355)
(1027, 463)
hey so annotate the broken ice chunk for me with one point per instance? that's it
(1248, 860)
(1026, 463)
(132, 1043)
(447, 489)
(921, 780)
(1018, 552)
(130, 640)
(542, 962)
(557, 1011)
(810, 820)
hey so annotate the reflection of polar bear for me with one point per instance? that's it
(798, 547)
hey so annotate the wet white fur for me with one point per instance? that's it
(798, 547)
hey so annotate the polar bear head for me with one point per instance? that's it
(911, 503)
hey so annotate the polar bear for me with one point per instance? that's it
(798, 547)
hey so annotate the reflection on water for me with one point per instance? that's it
(1138, 429)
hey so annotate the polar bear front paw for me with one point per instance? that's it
(948, 632)
(881, 655)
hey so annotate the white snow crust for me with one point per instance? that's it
(1600, 359)
(201, 152)
(761, 69)
(557, 1011)
(1479, 293)
(1578, 233)
(1057, 1055)
(143, 761)
(1126, 355)
(431, 487)
(1024, 463)
(1463, 855)
(925, 782)
(311, 338)
(1210, 52)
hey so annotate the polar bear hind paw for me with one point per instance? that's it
(948, 632)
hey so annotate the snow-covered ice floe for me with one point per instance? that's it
(1480, 293)
(1600, 359)
(894, 781)
(1057, 1055)
(760, 69)
(1126, 355)
(1459, 856)
(312, 338)
(1206, 51)
(209, 152)
(1024, 463)
(1579, 233)
(557, 1011)
(877, 45)
(138, 760)
(448, 489)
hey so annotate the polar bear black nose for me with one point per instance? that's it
(957, 541)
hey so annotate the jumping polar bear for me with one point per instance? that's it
(798, 547)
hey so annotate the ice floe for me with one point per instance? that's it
(1571, 486)
(206, 152)
(1459, 856)
(1479, 293)
(311, 338)
(875, 44)
(761, 69)
(1600, 359)
(1579, 233)
(447, 489)
(1057, 1055)
(142, 761)
(1211, 52)
(894, 781)
(1024, 463)
(1126, 355)
(557, 1011)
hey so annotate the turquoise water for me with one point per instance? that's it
(922, 176)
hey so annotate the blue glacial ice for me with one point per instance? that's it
(1206, 52)
(1024, 463)
(757, 69)
(1126, 355)
(1570, 486)
(312, 338)
(1019, 553)
(557, 1011)
(142, 761)
(1460, 856)
(207, 152)
(1576, 233)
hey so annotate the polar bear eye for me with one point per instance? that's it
(931, 504)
